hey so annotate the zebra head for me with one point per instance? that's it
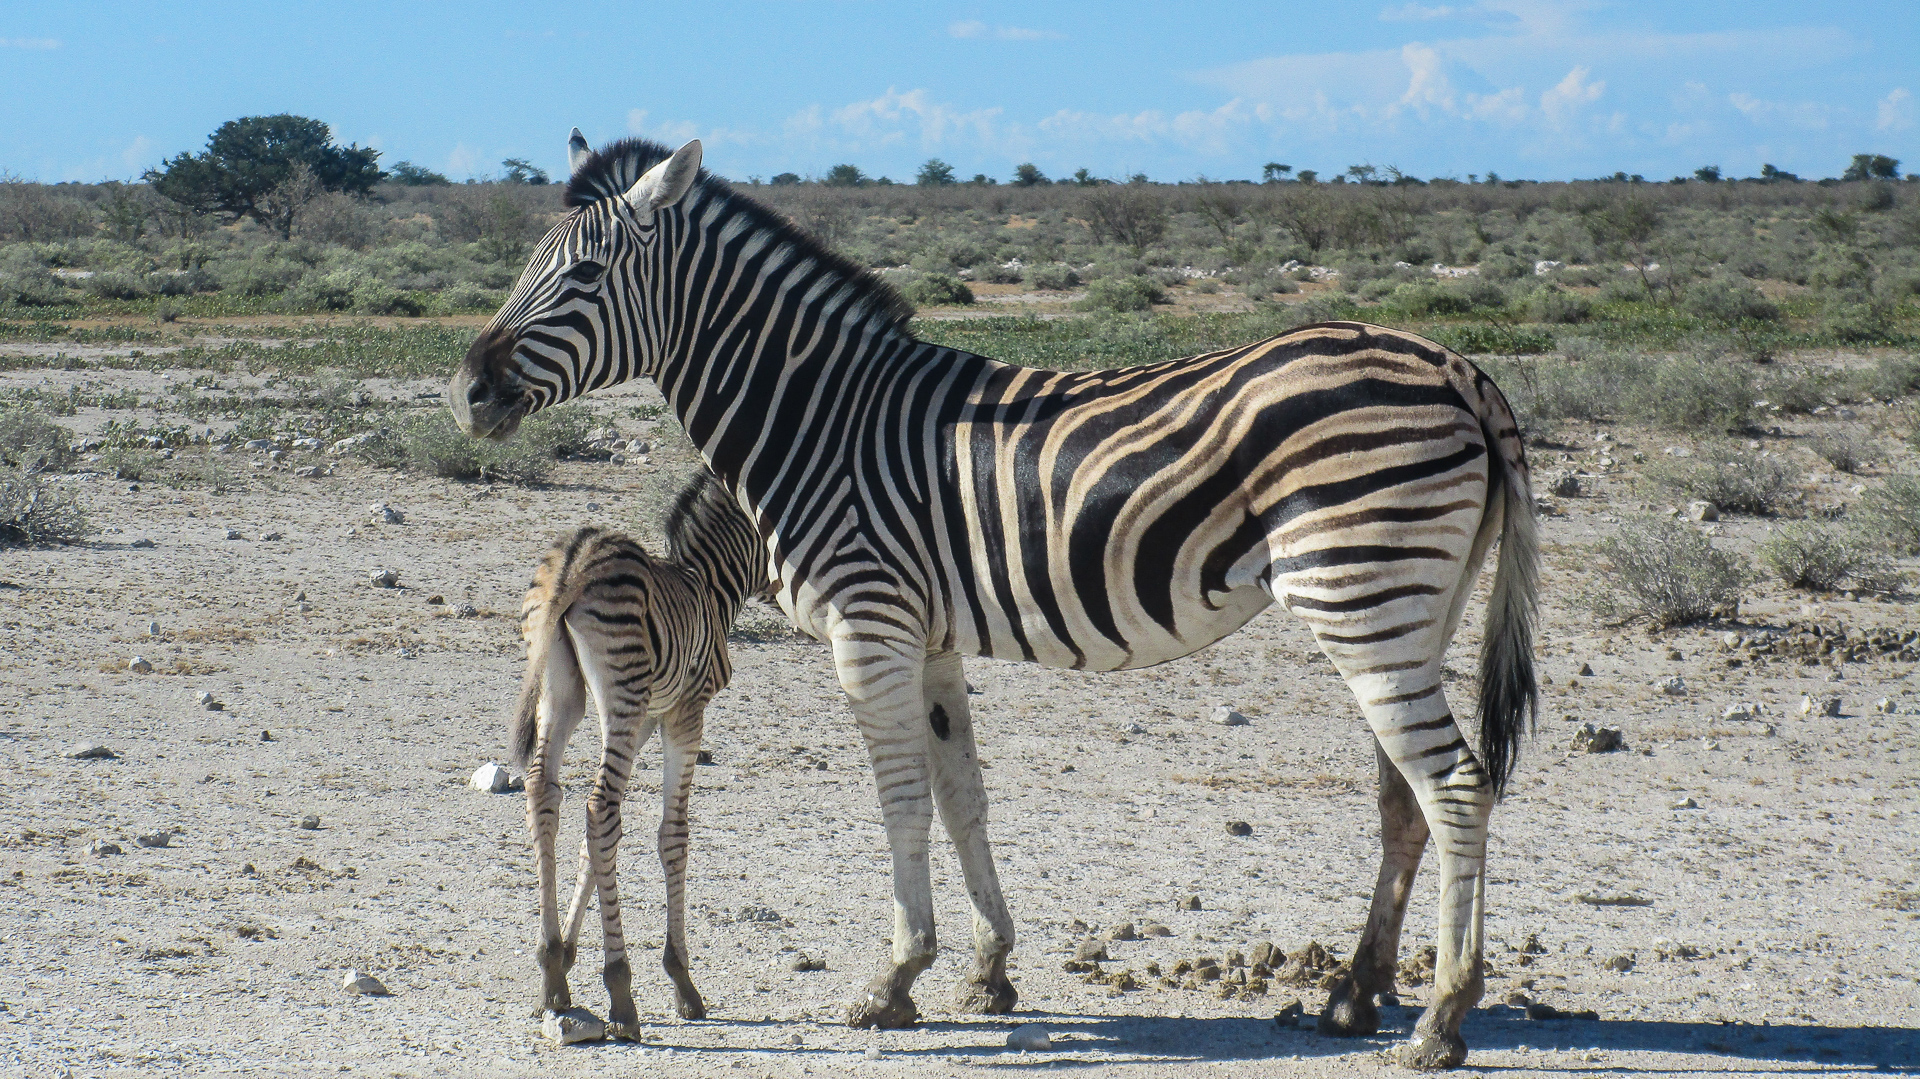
(556, 336)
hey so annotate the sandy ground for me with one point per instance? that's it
(1778, 931)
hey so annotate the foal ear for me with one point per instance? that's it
(666, 183)
(577, 151)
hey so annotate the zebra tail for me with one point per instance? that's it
(557, 585)
(1509, 694)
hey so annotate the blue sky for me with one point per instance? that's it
(1547, 89)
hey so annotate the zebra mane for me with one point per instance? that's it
(699, 510)
(612, 169)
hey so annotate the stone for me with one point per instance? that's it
(1239, 828)
(154, 839)
(384, 578)
(206, 701)
(87, 751)
(1091, 951)
(1123, 931)
(1029, 1038)
(1586, 670)
(1686, 803)
(1154, 929)
(305, 443)
(310, 822)
(806, 964)
(436, 601)
(1517, 999)
(143, 543)
(1620, 963)
(387, 514)
(1592, 739)
(466, 610)
(1674, 686)
(1566, 486)
(139, 665)
(490, 778)
(101, 848)
(1745, 710)
(234, 534)
(1885, 706)
(1702, 512)
(1227, 717)
(1263, 954)
(363, 985)
(309, 472)
(153, 629)
(1819, 706)
(1191, 902)
(270, 536)
(266, 736)
(1290, 1015)
(872, 1053)
(259, 444)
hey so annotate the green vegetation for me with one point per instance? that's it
(36, 510)
(1668, 573)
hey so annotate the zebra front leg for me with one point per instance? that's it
(680, 745)
(1350, 1010)
(562, 704)
(961, 796)
(882, 680)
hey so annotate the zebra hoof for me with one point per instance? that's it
(985, 998)
(1349, 1014)
(688, 1004)
(624, 1032)
(879, 1008)
(1431, 1051)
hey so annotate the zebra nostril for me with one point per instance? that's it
(478, 391)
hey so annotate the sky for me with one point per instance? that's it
(1538, 89)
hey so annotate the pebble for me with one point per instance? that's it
(211, 705)
(872, 1053)
(1586, 670)
(1155, 929)
(1029, 1038)
(1686, 803)
(274, 536)
(1702, 511)
(572, 1026)
(1123, 931)
(153, 629)
(1227, 717)
(259, 444)
(1290, 1015)
(805, 964)
(1592, 739)
(309, 472)
(142, 542)
(490, 778)
(467, 610)
(1884, 706)
(1744, 710)
(1819, 706)
(234, 534)
(154, 839)
(310, 822)
(384, 578)
(1239, 828)
(1674, 686)
(305, 443)
(87, 751)
(1191, 902)
(266, 736)
(1091, 951)
(387, 513)
(139, 665)
(101, 848)
(436, 601)
(1621, 963)
(363, 985)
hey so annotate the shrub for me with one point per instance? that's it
(432, 444)
(1824, 557)
(34, 510)
(31, 288)
(1505, 267)
(1844, 450)
(1735, 482)
(1135, 293)
(127, 463)
(260, 275)
(1478, 338)
(1727, 300)
(932, 289)
(1558, 306)
(1053, 276)
(117, 285)
(1695, 393)
(1857, 323)
(32, 443)
(1134, 215)
(1892, 511)
(1667, 572)
(467, 296)
(1892, 376)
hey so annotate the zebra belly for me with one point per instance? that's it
(1200, 624)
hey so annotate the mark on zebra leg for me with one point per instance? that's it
(942, 727)
(686, 999)
(987, 991)
(556, 958)
(1431, 1050)
(623, 1019)
(885, 1002)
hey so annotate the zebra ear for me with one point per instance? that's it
(577, 151)
(665, 183)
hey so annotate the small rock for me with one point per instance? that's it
(384, 578)
(1191, 902)
(1885, 706)
(87, 751)
(490, 778)
(154, 839)
(385, 513)
(466, 610)
(266, 736)
(139, 665)
(1674, 686)
(363, 985)
(310, 822)
(234, 534)
(1702, 511)
(305, 443)
(1155, 929)
(1592, 739)
(1621, 963)
(1091, 951)
(1686, 803)
(1029, 1038)
(1517, 999)
(259, 444)
(1745, 710)
(153, 629)
(436, 601)
(1123, 931)
(796, 1040)
(1566, 486)
(1227, 717)
(805, 964)
(101, 848)
(309, 472)
(1819, 706)
(274, 536)
(142, 542)
(1239, 828)
(1290, 1015)
(1586, 670)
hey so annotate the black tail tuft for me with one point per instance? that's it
(1509, 694)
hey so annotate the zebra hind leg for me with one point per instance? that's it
(961, 798)
(562, 704)
(1350, 1008)
(680, 746)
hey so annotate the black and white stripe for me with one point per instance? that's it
(919, 503)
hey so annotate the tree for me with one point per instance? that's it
(1274, 172)
(935, 173)
(1308, 176)
(981, 179)
(1625, 224)
(1130, 214)
(408, 174)
(1872, 167)
(1083, 178)
(785, 179)
(250, 159)
(1771, 175)
(845, 176)
(1362, 174)
(521, 171)
(1707, 174)
(1027, 174)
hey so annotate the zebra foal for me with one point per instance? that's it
(919, 503)
(647, 638)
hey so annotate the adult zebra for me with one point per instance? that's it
(920, 503)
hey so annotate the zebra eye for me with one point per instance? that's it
(585, 272)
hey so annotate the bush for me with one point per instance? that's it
(1892, 376)
(260, 275)
(32, 443)
(1892, 511)
(1735, 482)
(932, 289)
(117, 285)
(1505, 268)
(1702, 393)
(1480, 338)
(1122, 294)
(127, 463)
(1558, 306)
(1053, 276)
(467, 296)
(432, 444)
(31, 288)
(1825, 557)
(1729, 301)
(1844, 450)
(34, 510)
(1857, 323)
(349, 288)
(1667, 572)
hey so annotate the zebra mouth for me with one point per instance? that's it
(487, 400)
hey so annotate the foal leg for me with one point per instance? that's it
(882, 677)
(1403, 838)
(624, 729)
(680, 750)
(962, 799)
(562, 704)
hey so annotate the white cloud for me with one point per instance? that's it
(1562, 102)
(1897, 112)
(1428, 88)
(1418, 13)
(138, 152)
(671, 132)
(41, 43)
(462, 160)
(1805, 115)
(975, 29)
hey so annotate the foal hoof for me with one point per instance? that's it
(689, 1004)
(624, 1032)
(1431, 1052)
(1349, 1015)
(878, 1008)
(985, 998)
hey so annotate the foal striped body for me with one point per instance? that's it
(648, 638)
(919, 503)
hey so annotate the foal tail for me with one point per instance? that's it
(1509, 694)
(557, 584)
